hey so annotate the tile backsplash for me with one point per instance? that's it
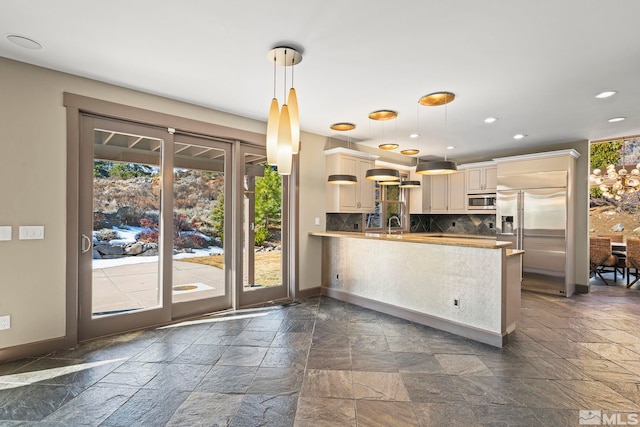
(482, 224)
(344, 222)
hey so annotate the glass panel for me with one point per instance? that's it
(126, 212)
(198, 222)
(262, 226)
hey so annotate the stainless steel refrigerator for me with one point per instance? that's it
(532, 214)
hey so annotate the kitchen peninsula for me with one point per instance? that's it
(465, 285)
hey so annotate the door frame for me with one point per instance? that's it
(76, 105)
(88, 325)
(259, 296)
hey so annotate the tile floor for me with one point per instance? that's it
(326, 363)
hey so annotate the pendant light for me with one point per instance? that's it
(294, 116)
(272, 124)
(343, 179)
(283, 125)
(383, 174)
(409, 184)
(614, 184)
(437, 167)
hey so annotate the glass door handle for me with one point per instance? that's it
(252, 226)
(87, 240)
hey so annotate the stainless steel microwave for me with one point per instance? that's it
(481, 201)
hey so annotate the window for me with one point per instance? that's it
(391, 211)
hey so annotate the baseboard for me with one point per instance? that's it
(34, 349)
(582, 289)
(470, 332)
(308, 293)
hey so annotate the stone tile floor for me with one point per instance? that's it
(326, 363)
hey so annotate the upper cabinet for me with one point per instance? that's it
(481, 177)
(446, 193)
(350, 198)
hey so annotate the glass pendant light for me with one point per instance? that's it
(292, 102)
(285, 151)
(614, 184)
(281, 123)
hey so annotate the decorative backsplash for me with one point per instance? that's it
(423, 223)
(344, 222)
(454, 224)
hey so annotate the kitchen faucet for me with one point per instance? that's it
(397, 220)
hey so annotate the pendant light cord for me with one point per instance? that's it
(285, 77)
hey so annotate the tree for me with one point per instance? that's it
(603, 154)
(269, 198)
(217, 217)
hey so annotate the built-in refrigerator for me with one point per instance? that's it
(532, 212)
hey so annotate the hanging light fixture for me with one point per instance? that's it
(409, 184)
(382, 174)
(614, 184)
(283, 125)
(437, 167)
(343, 179)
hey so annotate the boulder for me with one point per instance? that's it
(134, 249)
(617, 228)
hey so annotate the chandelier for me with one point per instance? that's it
(283, 125)
(614, 184)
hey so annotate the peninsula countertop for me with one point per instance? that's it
(473, 241)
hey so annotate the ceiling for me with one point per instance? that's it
(535, 65)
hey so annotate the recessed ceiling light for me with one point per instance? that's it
(606, 94)
(23, 41)
(616, 119)
(490, 119)
(414, 135)
(519, 136)
(451, 147)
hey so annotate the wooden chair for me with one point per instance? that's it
(633, 259)
(600, 257)
(621, 266)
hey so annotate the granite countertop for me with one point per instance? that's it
(474, 241)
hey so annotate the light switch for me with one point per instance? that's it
(5, 232)
(317, 222)
(31, 232)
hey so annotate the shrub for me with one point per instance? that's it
(192, 241)
(261, 235)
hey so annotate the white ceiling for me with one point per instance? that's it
(534, 64)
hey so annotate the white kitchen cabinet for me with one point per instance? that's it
(481, 178)
(349, 198)
(447, 193)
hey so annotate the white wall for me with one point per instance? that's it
(33, 190)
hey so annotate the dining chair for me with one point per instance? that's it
(621, 266)
(600, 257)
(633, 259)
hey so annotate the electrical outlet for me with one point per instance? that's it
(5, 322)
(456, 302)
